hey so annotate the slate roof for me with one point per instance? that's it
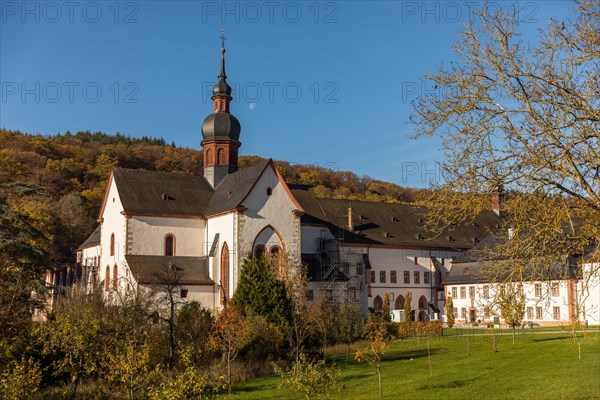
(92, 240)
(490, 271)
(152, 269)
(387, 223)
(154, 192)
(234, 188)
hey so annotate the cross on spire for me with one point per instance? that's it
(223, 39)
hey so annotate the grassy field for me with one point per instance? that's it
(540, 366)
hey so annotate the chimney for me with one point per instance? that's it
(497, 199)
(350, 222)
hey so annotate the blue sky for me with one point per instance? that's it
(326, 83)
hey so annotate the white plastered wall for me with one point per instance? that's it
(403, 260)
(590, 292)
(262, 211)
(146, 235)
(225, 226)
(547, 301)
(113, 222)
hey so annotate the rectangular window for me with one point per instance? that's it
(463, 292)
(455, 312)
(359, 270)
(538, 313)
(372, 276)
(530, 313)
(538, 290)
(486, 292)
(556, 312)
(555, 290)
(454, 293)
(346, 269)
(392, 276)
(416, 260)
(309, 295)
(183, 293)
(463, 313)
(520, 290)
(426, 277)
(381, 276)
(406, 277)
(417, 277)
(471, 292)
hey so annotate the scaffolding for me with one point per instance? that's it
(339, 279)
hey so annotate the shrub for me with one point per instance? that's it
(419, 329)
(21, 380)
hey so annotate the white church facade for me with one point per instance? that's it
(206, 226)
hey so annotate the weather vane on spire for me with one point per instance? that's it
(223, 38)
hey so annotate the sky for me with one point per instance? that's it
(327, 83)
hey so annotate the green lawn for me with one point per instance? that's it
(539, 366)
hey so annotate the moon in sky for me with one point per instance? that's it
(252, 106)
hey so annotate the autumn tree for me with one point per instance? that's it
(321, 315)
(377, 333)
(25, 257)
(449, 312)
(167, 290)
(386, 307)
(299, 325)
(230, 333)
(510, 302)
(407, 307)
(350, 325)
(309, 377)
(193, 324)
(77, 336)
(520, 121)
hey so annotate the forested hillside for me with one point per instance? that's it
(72, 169)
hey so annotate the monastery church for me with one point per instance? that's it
(206, 226)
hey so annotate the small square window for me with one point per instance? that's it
(183, 293)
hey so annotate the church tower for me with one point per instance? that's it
(220, 132)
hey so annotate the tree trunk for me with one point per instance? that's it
(513, 334)
(380, 385)
(347, 352)
(229, 368)
(75, 378)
